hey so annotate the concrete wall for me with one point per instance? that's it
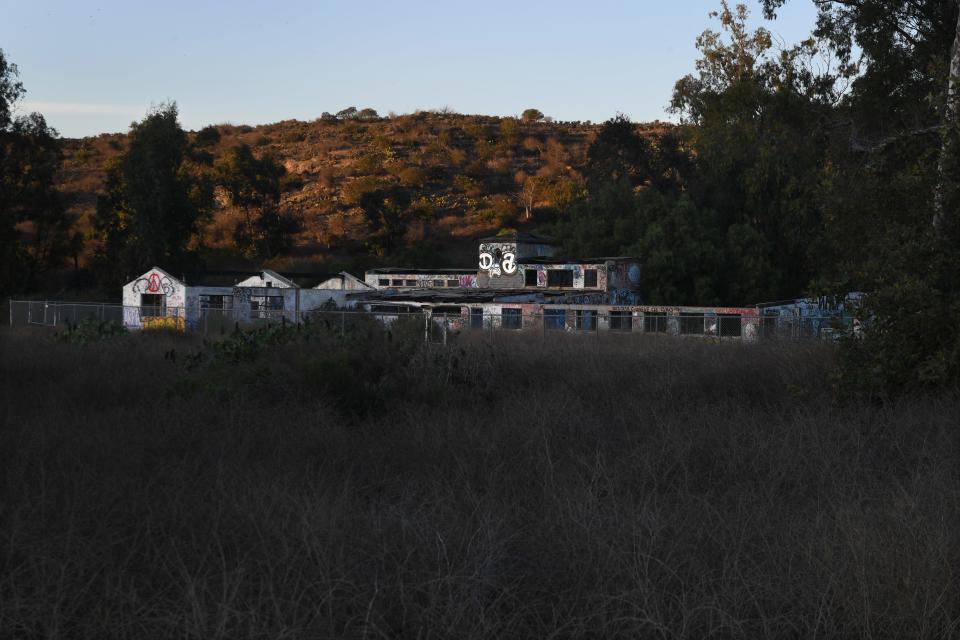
(153, 282)
(421, 280)
(726, 322)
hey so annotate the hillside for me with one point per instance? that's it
(467, 176)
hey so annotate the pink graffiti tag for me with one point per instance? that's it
(153, 283)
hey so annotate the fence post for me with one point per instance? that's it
(343, 323)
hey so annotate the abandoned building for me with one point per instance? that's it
(519, 283)
(157, 298)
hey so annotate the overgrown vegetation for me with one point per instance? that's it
(333, 484)
(819, 167)
(89, 330)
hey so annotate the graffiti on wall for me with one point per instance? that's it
(241, 294)
(625, 275)
(170, 323)
(498, 258)
(624, 297)
(468, 281)
(154, 283)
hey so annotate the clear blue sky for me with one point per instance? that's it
(92, 67)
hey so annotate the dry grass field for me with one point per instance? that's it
(316, 486)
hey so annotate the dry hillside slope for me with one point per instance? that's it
(468, 176)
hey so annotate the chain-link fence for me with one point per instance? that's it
(440, 324)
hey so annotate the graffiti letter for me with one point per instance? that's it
(509, 263)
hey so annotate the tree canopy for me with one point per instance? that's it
(153, 201)
(34, 226)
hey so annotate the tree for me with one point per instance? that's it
(208, 136)
(34, 225)
(897, 170)
(350, 113)
(529, 190)
(531, 115)
(255, 186)
(618, 154)
(152, 202)
(385, 211)
(367, 114)
(760, 141)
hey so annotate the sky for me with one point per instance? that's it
(94, 67)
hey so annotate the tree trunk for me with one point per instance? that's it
(949, 122)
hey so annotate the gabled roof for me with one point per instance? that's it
(343, 276)
(276, 276)
(158, 269)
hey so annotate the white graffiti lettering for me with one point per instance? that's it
(509, 263)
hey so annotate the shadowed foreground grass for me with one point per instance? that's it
(354, 487)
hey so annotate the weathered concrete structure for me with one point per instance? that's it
(520, 283)
(158, 299)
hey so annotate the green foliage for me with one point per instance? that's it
(255, 186)
(386, 213)
(736, 213)
(355, 362)
(89, 331)
(34, 225)
(618, 154)
(350, 113)
(152, 203)
(531, 115)
(510, 131)
(208, 136)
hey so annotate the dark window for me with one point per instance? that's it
(555, 319)
(589, 278)
(559, 278)
(216, 302)
(152, 304)
(446, 311)
(384, 282)
(397, 282)
(410, 283)
(655, 322)
(586, 319)
(511, 318)
(691, 323)
(453, 283)
(266, 306)
(730, 325)
(393, 309)
(438, 283)
(529, 277)
(476, 318)
(267, 284)
(621, 321)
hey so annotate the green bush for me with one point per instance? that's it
(89, 330)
